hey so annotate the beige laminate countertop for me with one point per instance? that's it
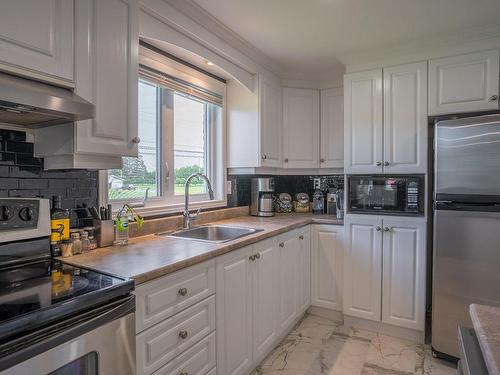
(149, 257)
(486, 321)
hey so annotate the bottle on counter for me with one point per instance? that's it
(92, 240)
(66, 248)
(85, 242)
(318, 203)
(77, 243)
(59, 224)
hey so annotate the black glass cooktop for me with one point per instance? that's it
(42, 291)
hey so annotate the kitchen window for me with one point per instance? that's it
(180, 125)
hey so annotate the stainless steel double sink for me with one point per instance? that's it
(212, 233)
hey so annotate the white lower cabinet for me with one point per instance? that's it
(265, 295)
(327, 248)
(261, 292)
(234, 312)
(384, 270)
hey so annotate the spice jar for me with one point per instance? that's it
(66, 248)
(77, 243)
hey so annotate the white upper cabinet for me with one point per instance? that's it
(36, 38)
(254, 124)
(405, 118)
(363, 267)
(404, 270)
(300, 128)
(234, 312)
(327, 247)
(363, 122)
(464, 83)
(270, 105)
(332, 128)
(107, 75)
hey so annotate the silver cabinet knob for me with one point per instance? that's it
(387, 229)
(493, 98)
(386, 163)
(286, 160)
(378, 229)
(264, 157)
(136, 140)
(251, 257)
(282, 244)
(257, 256)
(301, 237)
(378, 163)
(322, 160)
(183, 291)
(183, 334)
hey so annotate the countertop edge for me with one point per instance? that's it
(491, 362)
(197, 259)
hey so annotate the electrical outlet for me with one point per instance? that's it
(229, 186)
(317, 183)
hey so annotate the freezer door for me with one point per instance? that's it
(465, 270)
(467, 156)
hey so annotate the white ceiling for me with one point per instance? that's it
(310, 37)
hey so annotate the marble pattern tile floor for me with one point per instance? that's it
(321, 346)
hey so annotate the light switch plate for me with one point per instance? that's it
(229, 187)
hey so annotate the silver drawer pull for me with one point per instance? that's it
(493, 98)
(257, 256)
(183, 334)
(183, 291)
(387, 229)
(378, 229)
(301, 237)
(282, 244)
(251, 257)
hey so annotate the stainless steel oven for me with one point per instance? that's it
(391, 195)
(97, 342)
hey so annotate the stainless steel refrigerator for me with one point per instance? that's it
(466, 266)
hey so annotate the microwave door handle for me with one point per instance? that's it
(66, 334)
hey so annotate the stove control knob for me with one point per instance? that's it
(26, 214)
(5, 213)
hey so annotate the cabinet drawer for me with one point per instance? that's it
(166, 296)
(199, 360)
(163, 342)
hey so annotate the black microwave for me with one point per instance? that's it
(390, 195)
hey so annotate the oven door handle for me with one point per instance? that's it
(28, 346)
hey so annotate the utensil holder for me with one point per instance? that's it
(104, 232)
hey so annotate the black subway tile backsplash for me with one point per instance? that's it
(240, 185)
(22, 175)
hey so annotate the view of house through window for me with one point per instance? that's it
(174, 129)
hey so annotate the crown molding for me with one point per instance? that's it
(205, 19)
(440, 45)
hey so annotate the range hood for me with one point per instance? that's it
(32, 103)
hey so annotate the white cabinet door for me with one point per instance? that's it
(37, 36)
(107, 38)
(300, 128)
(266, 264)
(304, 271)
(464, 83)
(234, 312)
(332, 129)
(271, 111)
(404, 270)
(363, 122)
(363, 267)
(327, 249)
(289, 250)
(405, 118)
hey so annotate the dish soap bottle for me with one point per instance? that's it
(59, 224)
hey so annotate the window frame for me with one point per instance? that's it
(167, 202)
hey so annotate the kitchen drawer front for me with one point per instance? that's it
(166, 296)
(199, 360)
(160, 344)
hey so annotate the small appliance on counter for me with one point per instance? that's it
(318, 206)
(261, 196)
(55, 317)
(331, 203)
